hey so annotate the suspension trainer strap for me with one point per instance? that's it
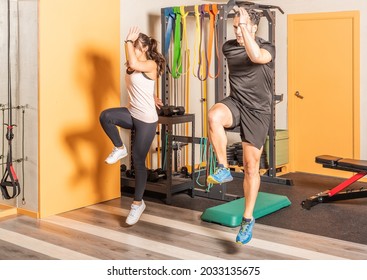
(9, 179)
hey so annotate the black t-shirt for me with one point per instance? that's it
(251, 83)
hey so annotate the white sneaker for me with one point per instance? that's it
(116, 155)
(135, 213)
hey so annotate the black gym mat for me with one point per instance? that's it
(345, 220)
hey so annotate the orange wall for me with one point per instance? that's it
(79, 61)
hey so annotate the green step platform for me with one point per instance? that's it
(230, 213)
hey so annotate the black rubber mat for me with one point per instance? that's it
(345, 220)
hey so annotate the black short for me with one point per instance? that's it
(254, 126)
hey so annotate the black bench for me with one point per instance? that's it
(352, 165)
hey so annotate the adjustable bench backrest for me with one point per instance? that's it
(346, 164)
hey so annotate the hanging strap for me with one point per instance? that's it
(170, 17)
(211, 166)
(203, 157)
(177, 61)
(213, 11)
(9, 179)
(197, 38)
(185, 51)
(207, 9)
(184, 28)
(202, 72)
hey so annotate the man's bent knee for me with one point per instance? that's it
(220, 114)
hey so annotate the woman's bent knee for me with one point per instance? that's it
(103, 117)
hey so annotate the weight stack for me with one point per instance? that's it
(231, 155)
(264, 164)
(238, 153)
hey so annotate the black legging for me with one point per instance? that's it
(144, 135)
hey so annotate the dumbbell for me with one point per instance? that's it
(157, 174)
(169, 111)
(160, 111)
(123, 168)
(149, 172)
(185, 172)
(130, 173)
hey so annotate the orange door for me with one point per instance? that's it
(79, 74)
(323, 89)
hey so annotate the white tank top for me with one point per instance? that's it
(141, 94)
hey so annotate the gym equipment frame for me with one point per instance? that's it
(336, 193)
(224, 12)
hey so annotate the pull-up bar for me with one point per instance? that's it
(252, 5)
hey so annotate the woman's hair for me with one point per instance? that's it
(152, 52)
(254, 16)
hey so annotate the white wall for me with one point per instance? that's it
(146, 14)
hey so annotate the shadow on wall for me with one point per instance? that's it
(88, 145)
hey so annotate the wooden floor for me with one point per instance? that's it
(164, 232)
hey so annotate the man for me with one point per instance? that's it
(250, 62)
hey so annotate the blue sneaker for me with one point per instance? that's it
(220, 176)
(245, 234)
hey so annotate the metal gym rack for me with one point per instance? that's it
(224, 13)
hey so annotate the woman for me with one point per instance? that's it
(144, 65)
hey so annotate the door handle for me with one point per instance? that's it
(298, 95)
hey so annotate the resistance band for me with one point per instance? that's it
(177, 61)
(184, 41)
(213, 11)
(207, 156)
(186, 51)
(202, 72)
(212, 164)
(204, 103)
(197, 37)
(170, 17)
(203, 157)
